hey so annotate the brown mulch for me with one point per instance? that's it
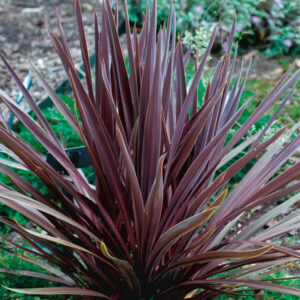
(23, 36)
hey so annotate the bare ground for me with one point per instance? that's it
(23, 36)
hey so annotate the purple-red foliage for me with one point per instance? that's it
(159, 222)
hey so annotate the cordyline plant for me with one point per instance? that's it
(158, 223)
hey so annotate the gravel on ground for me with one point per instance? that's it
(23, 36)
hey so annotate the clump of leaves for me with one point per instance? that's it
(158, 223)
(61, 128)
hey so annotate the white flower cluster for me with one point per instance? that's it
(198, 40)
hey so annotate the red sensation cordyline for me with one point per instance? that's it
(158, 222)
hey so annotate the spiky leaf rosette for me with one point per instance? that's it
(158, 223)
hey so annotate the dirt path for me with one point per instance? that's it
(23, 35)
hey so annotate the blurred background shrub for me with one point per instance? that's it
(272, 26)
